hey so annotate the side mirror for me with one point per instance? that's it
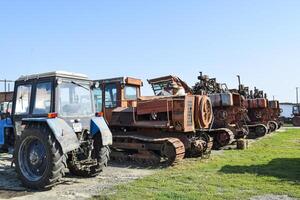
(94, 85)
(59, 81)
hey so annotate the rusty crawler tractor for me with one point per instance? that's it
(52, 127)
(256, 105)
(259, 110)
(229, 114)
(153, 129)
(274, 110)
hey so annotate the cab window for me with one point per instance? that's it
(42, 98)
(23, 99)
(111, 96)
(130, 92)
(98, 99)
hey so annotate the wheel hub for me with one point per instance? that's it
(34, 157)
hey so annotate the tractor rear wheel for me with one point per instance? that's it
(40, 162)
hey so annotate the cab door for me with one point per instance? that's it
(22, 105)
(111, 99)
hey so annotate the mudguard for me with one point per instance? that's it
(98, 125)
(63, 133)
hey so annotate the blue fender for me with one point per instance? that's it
(63, 133)
(99, 126)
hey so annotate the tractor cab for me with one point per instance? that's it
(116, 92)
(56, 94)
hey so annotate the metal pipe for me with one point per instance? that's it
(239, 80)
(297, 102)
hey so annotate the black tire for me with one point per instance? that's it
(101, 153)
(54, 161)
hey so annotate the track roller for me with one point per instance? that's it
(273, 126)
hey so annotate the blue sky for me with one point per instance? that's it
(258, 39)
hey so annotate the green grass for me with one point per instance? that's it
(270, 166)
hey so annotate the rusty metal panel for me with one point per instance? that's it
(154, 106)
(221, 99)
(133, 81)
(183, 114)
(128, 103)
(152, 124)
(236, 99)
(6, 96)
(257, 103)
(122, 117)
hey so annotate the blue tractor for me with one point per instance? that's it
(6, 138)
(6, 127)
(53, 126)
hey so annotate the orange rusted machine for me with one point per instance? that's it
(230, 115)
(154, 129)
(275, 110)
(263, 114)
(260, 110)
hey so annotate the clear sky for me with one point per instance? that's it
(258, 39)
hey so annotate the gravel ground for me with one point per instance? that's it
(71, 187)
(272, 197)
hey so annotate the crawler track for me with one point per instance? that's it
(257, 130)
(221, 137)
(147, 150)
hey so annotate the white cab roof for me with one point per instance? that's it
(63, 74)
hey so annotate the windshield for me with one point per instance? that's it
(75, 100)
(160, 88)
(130, 92)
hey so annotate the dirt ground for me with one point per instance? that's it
(272, 197)
(71, 187)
